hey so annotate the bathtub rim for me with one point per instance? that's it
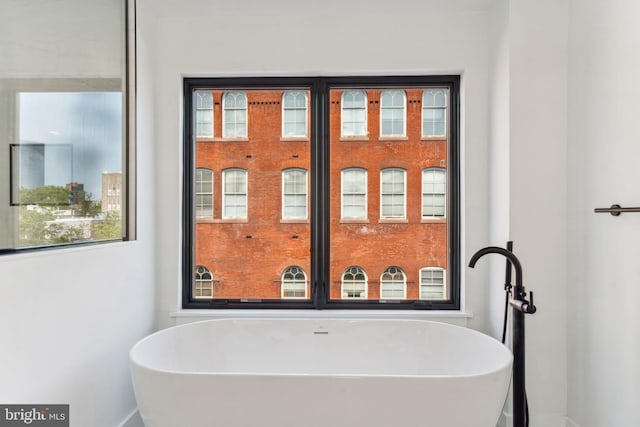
(508, 363)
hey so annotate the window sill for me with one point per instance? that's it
(294, 139)
(393, 221)
(433, 220)
(222, 221)
(355, 221)
(393, 138)
(456, 317)
(354, 138)
(11, 254)
(433, 138)
(294, 221)
(242, 139)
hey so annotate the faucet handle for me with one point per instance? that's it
(532, 307)
(523, 305)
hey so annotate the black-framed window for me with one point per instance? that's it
(247, 254)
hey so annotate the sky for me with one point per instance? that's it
(82, 133)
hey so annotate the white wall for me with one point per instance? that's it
(538, 67)
(41, 39)
(67, 320)
(513, 60)
(532, 106)
(499, 154)
(68, 317)
(528, 144)
(286, 37)
(604, 273)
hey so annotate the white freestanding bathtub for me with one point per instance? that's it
(320, 373)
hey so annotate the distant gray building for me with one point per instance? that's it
(112, 192)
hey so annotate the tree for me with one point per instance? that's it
(33, 226)
(59, 233)
(38, 226)
(39, 211)
(108, 228)
(88, 207)
(49, 195)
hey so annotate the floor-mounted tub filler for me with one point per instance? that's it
(320, 373)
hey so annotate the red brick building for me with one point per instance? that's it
(388, 168)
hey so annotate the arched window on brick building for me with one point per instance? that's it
(354, 193)
(204, 114)
(434, 112)
(204, 283)
(204, 193)
(393, 113)
(294, 114)
(354, 283)
(393, 194)
(354, 113)
(234, 115)
(234, 193)
(294, 283)
(294, 194)
(393, 284)
(434, 195)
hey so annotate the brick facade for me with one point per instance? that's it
(247, 257)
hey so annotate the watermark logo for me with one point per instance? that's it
(34, 415)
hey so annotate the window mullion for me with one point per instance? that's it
(320, 192)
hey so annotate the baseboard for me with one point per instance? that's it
(132, 420)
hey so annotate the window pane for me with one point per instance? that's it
(392, 193)
(380, 221)
(434, 109)
(234, 112)
(354, 193)
(234, 197)
(203, 283)
(294, 283)
(204, 193)
(353, 114)
(373, 195)
(392, 98)
(294, 194)
(66, 179)
(392, 284)
(294, 114)
(433, 192)
(432, 284)
(354, 283)
(204, 114)
(252, 196)
(392, 113)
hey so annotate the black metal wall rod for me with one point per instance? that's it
(615, 210)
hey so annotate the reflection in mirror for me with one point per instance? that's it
(66, 170)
